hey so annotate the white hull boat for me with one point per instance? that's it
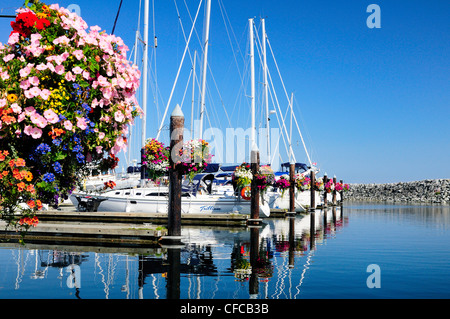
(155, 200)
(302, 200)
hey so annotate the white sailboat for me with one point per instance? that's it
(197, 198)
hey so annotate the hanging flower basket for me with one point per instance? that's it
(329, 186)
(346, 187)
(318, 185)
(155, 158)
(302, 183)
(67, 97)
(195, 157)
(283, 184)
(264, 178)
(242, 175)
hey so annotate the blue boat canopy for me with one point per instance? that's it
(298, 166)
(229, 168)
(212, 168)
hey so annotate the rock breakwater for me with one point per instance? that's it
(435, 191)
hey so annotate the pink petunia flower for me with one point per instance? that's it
(25, 72)
(77, 70)
(86, 75)
(119, 117)
(59, 69)
(8, 57)
(68, 125)
(45, 94)
(34, 80)
(35, 91)
(34, 132)
(13, 38)
(70, 76)
(78, 54)
(24, 85)
(51, 116)
(39, 120)
(41, 67)
(81, 123)
(16, 108)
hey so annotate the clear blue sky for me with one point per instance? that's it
(373, 104)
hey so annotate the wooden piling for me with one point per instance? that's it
(173, 273)
(291, 188)
(334, 191)
(254, 255)
(342, 192)
(312, 231)
(325, 200)
(312, 206)
(254, 205)
(175, 177)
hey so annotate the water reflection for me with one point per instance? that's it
(213, 263)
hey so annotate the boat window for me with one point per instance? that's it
(165, 194)
(117, 193)
(157, 194)
(137, 194)
(127, 193)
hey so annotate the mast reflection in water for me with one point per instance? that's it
(213, 263)
(317, 255)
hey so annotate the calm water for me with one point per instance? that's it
(409, 246)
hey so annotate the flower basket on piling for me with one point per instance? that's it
(319, 185)
(283, 184)
(302, 183)
(242, 175)
(195, 157)
(264, 178)
(329, 186)
(155, 158)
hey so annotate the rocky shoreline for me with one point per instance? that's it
(432, 191)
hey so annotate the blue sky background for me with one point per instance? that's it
(372, 104)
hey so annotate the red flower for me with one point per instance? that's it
(42, 24)
(25, 21)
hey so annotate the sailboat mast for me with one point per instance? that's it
(145, 72)
(252, 73)
(266, 93)
(193, 96)
(205, 64)
(291, 152)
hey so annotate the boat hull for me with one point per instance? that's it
(302, 200)
(154, 201)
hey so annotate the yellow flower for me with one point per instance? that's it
(41, 15)
(12, 98)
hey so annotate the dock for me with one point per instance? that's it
(85, 232)
(140, 218)
(67, 225)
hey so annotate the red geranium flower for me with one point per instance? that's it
(25, 21)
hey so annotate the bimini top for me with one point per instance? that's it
(298, 166)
